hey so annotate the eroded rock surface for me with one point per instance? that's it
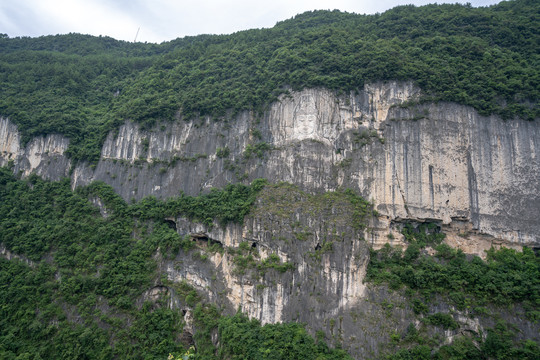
(476, 177)
(321, 254)
(433, 161)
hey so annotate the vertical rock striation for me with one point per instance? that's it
(43, 155)
(477, 176)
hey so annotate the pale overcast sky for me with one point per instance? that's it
(164, 20)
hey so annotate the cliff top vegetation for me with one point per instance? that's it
(83, 86)
(79, 291)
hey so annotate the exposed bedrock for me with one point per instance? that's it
(321, 260)
(478, 176)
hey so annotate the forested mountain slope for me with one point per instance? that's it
(338, 186)
(83, 86)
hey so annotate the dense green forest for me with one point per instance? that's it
(83, 86)
(76, 264)
(506, 278)
(75, 289)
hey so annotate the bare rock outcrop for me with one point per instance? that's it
(439, 162)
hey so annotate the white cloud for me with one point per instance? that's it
(87, 17)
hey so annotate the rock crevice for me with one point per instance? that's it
(425, 161)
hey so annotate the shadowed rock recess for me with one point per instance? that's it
(476, 178)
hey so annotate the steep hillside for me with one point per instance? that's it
(83, 87)
(85, 275)
(475, 176)
(338, 186)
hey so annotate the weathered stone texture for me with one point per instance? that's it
(432, 161)
(477, 177)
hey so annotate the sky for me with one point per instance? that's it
(163, 20)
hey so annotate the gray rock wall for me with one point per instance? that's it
(43, 156)
(477, 177)
(323, 288)
(442, 162)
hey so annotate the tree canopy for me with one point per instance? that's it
(84, 86)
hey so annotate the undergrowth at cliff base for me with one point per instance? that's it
(75, 286)
(242, 338)
(497, 344)
(507, 278)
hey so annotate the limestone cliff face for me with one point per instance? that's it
(10, 143)
(43, 156)
(477, 176)
(322, 285)
(320, 256)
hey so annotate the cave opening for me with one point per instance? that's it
(215, 242)
(171, 224)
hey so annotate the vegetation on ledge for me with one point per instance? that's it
(83, 86)
(508, 278)
(505, 278)
(79, 291)
(284, 201)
